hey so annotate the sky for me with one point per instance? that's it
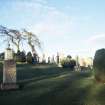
(74, 27)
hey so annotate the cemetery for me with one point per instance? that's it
(52, 52)
(26, 80)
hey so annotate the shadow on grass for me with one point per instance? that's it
(69, 92)
(51, 85)
(27, 73)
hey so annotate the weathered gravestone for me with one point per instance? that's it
(53, 59)
(9, 71)
(57, 57)
(43, 59)
(48, 60)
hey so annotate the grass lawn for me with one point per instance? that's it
(50, 85)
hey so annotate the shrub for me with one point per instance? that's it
(69, 57)
(72, 63)
(68, 63)
(17, 56)
(20, 56)
(99, 65)
(29, 57)
(23, 56)
(35, 58)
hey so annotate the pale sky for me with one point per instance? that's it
(75, 27)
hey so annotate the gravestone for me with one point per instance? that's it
(57, 57)
(77, 67)
(43, 59)
(48, 60)
(9, 71)
(53, 60)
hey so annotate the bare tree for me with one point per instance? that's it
(4, 34)
(33, 41)
(12, 36)
(15, 37)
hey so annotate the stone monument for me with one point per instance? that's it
(48, 60)
(43, 59)
(53, 60)
(9, 71)
(57, 57)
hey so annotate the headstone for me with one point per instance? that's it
(9, 71)
(49, 60)
(38, 59)
(77, 67)
(57, 57)
(53, 60)
(43, 59)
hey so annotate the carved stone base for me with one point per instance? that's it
(9, 72)
(9, 86)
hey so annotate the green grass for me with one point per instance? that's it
(1, 71)
(51, 85)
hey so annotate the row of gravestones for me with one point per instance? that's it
(51, 59)
(9, 71)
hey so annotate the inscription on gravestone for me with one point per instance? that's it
(9, 71)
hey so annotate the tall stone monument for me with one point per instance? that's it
(9, 71)
(43, 59)
(53, 60)
(57, 57)
(77, 67)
